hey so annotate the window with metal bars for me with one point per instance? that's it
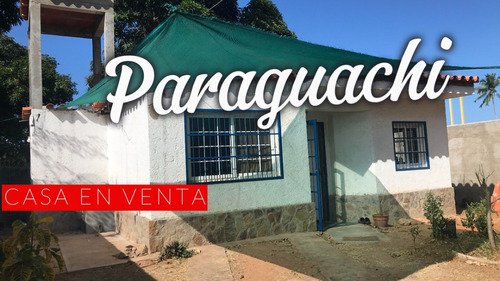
(229, 146)
(410, 145)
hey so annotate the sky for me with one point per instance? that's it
(382, 28)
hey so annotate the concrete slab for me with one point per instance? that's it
(210, 264)
(83, 251)
(358, 233)
(333, 265)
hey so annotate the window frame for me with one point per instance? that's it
(274, 134)
(420, 165)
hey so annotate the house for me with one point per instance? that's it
(314, 167)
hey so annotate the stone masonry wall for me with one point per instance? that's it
(400, 205)
(218, 228)
(133, 227)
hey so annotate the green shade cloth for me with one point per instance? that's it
(190, 44)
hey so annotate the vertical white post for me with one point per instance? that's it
(35, 56)
(109, 36)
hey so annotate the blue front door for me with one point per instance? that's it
(315, 170)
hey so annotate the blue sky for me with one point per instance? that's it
(381, 28)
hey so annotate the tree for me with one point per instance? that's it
(193, 7)
(482, 181)
(9, 15)
(263, 14)
(14, 94)
(487, 90)
(225, 10)
(134, 20)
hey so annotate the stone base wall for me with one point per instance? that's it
(216, 228)
(133, 227)
(400, 205)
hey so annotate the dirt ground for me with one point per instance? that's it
(396, 259)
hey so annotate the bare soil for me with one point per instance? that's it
(270, 260)
(278, 259)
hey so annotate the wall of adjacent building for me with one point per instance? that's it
(471, 146)
(70, 147)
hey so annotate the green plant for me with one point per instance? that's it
(27, 252)
(475, 217)
(434, 214)
(175, 250)
(415, 232)
(441, 226)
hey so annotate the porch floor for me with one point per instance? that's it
(355, 232)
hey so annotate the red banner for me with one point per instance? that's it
(104, 198)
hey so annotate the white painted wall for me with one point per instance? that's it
(360, 153)
(144, 148)
(129, 161)
(167, 143)
(68, 147)
(392, 181)
(168, 166)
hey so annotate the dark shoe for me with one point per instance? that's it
(361, 220)
(366, 221)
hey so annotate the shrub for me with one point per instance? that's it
(441, 226)
(476, 217)
(27, 254)
(175, 250)
(415, 232)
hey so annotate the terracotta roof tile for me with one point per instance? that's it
(460, 78)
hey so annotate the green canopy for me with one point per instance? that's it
(190, 44)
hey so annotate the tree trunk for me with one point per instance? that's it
(482, 178)
(494, 110)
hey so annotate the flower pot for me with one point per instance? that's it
(380, 220)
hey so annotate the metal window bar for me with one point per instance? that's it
(232, 147)
(410, 145)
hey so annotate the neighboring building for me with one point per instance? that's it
(316, 166)
(472, 147)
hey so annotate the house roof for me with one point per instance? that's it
(190, 44)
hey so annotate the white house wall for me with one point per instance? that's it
(68, 147)
(362, 177)
(236, 210)
(129, 161)
(168, 166)
(392, 181)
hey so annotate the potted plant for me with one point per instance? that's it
(381, 218)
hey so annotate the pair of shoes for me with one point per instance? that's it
(364, 220)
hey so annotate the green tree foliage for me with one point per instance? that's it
(193, 7)
(476, 217)
(134, 20)
(27, 254)
(227, 10)
(263, 14)
(487, 91)
(9, 15)
(14, 94)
